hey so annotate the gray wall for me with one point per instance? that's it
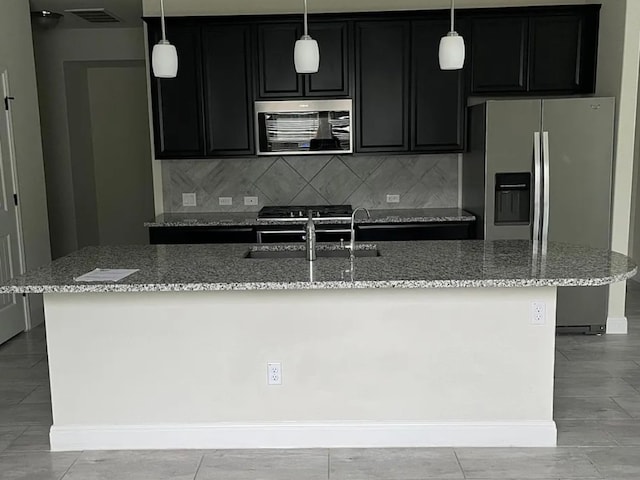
(81, 153)
(121, 153)
(618, 66)
(420, 180)
(16, 54)
(53, 48)
(634, 242)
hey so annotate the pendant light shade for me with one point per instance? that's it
(306, 54)
(164, 58)
(452, 50)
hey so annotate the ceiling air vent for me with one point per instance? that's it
(94, 15)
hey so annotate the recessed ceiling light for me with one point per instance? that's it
(45, 18)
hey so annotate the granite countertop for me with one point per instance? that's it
(427, 264)
(239, 219)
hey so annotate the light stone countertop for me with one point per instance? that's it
(239, 219)
(426, 264)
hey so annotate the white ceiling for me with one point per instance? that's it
(231, 7)
(129, 11)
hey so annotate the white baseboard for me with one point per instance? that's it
(617, 326)
(299, 435)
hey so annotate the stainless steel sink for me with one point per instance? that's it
(320, 253)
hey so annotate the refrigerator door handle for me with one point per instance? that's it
(537, 185)
(545, 187)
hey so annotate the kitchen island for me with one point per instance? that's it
(427, 344)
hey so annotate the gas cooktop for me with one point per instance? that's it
(300, 212)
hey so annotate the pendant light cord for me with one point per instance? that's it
(164, 33)
(306, 33)
(452, 14)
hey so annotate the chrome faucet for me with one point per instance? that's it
(352, 245)
(310, 237)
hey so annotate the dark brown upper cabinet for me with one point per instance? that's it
(499, 54)
(382, 86)
(332, 78)
(386, 61)
(277, 74)
(228, 90)
(178, 107)
(551, 50)
(438, 101)
(561, 52)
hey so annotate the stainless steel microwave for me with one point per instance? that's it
(304, 127)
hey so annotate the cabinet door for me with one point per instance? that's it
(228, 92)
(499, 54)
(556, 44)
(415, 231)
(180, 235)
(332, 78)
(277, 73)
(178, 113)
(437, 96)
(382, 93)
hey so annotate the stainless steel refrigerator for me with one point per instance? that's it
(541, 169)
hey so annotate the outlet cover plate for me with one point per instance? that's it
(538, 313)
(251, 200)
(274, 373)
(225, 200)
(393, 198)
(189, 200)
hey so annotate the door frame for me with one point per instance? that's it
(22, 263)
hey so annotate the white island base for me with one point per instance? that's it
(360, 368)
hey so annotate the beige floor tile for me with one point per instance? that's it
(397, 464)
(135, 465)
(265, 465)
(532, 463)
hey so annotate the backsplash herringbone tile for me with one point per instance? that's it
(422, 181)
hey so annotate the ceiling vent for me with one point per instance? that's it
(94, 15)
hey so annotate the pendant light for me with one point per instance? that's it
(451, 52)
(164, 58)
(306, 55)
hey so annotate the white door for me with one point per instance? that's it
(12, 306)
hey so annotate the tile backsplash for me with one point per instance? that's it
(420, 181)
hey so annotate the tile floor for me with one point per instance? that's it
(597, 409)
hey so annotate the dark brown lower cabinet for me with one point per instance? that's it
(184, 235)
(415, 231)
(375, 232)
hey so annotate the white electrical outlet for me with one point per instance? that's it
(393, 198)
(538, 313)
(188, 199)
(225, 200)
(251, 200)
(274, 373)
